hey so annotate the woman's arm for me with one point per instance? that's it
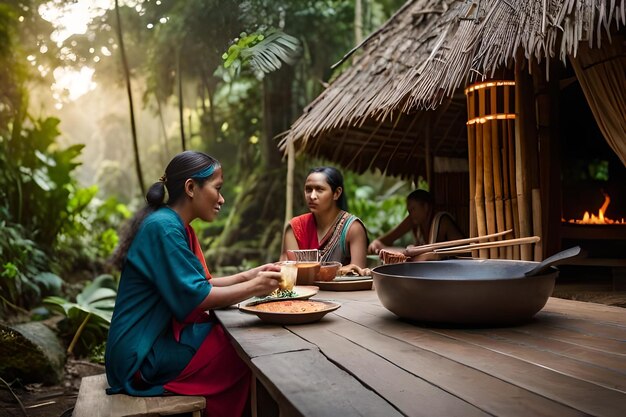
(262, 284)
(391, 236)
(289, 243)
(451, 230)
(243, 276)
(357, 242)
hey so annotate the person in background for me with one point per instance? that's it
(163, 336)
(328, 227)
(426, 225)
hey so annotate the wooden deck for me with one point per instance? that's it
(570, 360)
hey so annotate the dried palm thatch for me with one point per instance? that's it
(402, 97)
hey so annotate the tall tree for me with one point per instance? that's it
(129, 91)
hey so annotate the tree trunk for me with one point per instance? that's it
(130, 98)
(181, 117)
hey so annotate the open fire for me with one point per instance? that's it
(599, 218)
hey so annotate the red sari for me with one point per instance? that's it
(215, 372)
(333, 246)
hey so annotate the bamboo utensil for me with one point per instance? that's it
(487, 245)
(418, 250)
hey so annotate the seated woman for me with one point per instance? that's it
(426, 225)
(339, 235)
(163, 337)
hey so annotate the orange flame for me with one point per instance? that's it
(599, 219)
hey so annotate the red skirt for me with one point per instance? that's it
(217, 373)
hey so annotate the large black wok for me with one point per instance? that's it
(468, 291)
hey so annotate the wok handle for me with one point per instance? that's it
(467, 248)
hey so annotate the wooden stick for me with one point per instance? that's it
(488, 245)
(418, 250)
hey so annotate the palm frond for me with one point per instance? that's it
(269, 54)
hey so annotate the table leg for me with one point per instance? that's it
(262, 403)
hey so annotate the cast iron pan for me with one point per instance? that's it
(468, 291)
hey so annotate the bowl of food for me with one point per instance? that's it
(307, 272)
(328, 270)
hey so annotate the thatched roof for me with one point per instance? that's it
(406, 86)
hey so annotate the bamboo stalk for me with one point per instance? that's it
(490, 208)
(536, 203)
(471, 152)
(508, 205)
(497, 173)
(512, 186)
(522, 88)
(479, 197)
(418, 250)
(488, 245)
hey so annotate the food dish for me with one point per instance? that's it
(303, 292)
(346, 283)
(314, 311)
(328, 270)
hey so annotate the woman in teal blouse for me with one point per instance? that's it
(162, 335)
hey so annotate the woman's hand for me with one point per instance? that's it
(252, 273)
(265, 282)
(353, 269)
(375, 246)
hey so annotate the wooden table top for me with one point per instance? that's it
(570, 360)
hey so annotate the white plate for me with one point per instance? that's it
(347, 278)
(303, 292)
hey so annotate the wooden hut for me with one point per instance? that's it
(476, 82)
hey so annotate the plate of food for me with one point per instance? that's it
(299, 292)
(291, 311)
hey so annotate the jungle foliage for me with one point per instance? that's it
(57, 232)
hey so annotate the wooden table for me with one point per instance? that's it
(362, 360)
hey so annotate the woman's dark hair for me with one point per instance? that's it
(167, 191)
(421, 196)
(335, 180)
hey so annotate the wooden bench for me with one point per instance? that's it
(93, 401)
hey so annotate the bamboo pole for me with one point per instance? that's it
(512, 184)
(521, 154)
(490, 208)
(480, 194)
(506, 185)
(536, 202)
(497, 173)
(471, 154)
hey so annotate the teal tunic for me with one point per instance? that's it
(162, 279)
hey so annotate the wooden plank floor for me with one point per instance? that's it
(570, 360)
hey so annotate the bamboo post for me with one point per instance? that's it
(512, 184)
(471, 153)
(546, 88)
(506, 185)
(497, 170)
(521, 154)
(490, 209)
(480, 193)
(536, 204)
